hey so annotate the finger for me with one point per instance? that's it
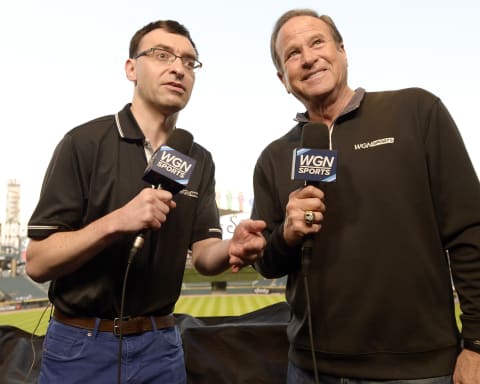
(258, 225)
(246, 250)
(311, 204)
(310, 191)
(251, 226)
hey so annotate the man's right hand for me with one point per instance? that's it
(300, 201)
(148, 210)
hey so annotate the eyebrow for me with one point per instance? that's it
(170, 49)
(317, 35)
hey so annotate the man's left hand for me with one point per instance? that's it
(247, 243)
(467, 369)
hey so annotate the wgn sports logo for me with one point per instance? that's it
(314, 165)
(169, 169)
(374, 143)
(175, 164)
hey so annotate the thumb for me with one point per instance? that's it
(258, 225)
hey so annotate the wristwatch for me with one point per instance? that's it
(472, 345)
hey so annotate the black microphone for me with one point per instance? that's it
(314, 162)
(169, 168)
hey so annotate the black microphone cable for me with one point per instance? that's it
(32, 342)
(133, 252)
(314, 135)
(306, 259)
(309, 318)
(136, 246)
(181, 141)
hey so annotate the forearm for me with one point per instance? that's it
(210, 256)
(64, 252)
(213, 256)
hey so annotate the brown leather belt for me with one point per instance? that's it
(130, 325)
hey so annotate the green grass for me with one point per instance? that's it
(198, 306)
(245, 274)
(224, 305)
(26, 320)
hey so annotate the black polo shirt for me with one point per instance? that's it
(95, 169)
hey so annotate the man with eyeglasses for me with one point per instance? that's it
(93, 204)
(371, 295)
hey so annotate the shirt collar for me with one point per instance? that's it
(127, 126)
(354, 103)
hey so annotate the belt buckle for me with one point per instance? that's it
(116, 325)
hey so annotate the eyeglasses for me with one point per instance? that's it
(168, 57)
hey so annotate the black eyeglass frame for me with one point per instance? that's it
(172, 57)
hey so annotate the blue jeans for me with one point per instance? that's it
(297, 375)
(75, 355)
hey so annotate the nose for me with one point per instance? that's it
(309, 57)
(178, 67)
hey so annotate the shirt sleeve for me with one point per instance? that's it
(60, 205)
(456, 196)
(207, 218)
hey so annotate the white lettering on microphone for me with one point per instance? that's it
(316, 165)
(173, 164)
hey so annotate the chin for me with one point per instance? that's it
(174, 104)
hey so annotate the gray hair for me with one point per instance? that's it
(337, 37)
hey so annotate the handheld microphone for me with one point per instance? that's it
(169, 169)
(313, 162)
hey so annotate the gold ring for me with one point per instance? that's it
(308, 217)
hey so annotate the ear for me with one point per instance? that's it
(281, 77)
(130, 69)
(341, 48)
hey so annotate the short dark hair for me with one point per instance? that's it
(170, 26)
(337, 37)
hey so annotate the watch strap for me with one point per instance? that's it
(472, 345)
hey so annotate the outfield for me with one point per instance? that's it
(194, 305)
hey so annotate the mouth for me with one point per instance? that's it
(176, 86)
(314, 75)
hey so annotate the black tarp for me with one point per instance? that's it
(247, 349)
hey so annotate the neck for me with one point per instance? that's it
(155, 125)
(327, 109)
